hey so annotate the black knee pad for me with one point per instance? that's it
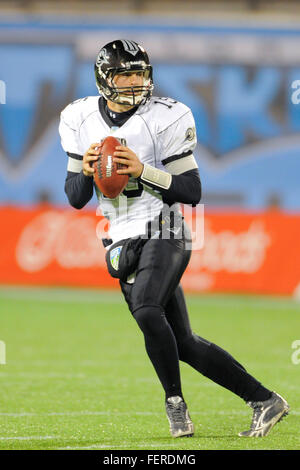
(151, 319)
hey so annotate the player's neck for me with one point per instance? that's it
(118, 108)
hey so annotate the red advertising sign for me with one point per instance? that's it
(246, 253)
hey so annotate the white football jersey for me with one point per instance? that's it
(161, 133)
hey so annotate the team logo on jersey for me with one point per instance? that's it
(115, 257)
(190, 134)
(130, 47)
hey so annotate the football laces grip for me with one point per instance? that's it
(101, 142)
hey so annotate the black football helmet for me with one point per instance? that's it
(123, 56)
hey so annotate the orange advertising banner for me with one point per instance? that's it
(245, 253)
(50, 246)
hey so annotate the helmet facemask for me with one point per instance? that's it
(131, 95)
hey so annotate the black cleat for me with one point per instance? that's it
(265, 415)
(179, 418)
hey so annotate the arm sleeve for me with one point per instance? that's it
(79, 189)
(185, 188)
(176, 144)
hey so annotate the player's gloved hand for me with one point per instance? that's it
(89, 157)
(130, 159)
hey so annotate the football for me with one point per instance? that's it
(106, 178)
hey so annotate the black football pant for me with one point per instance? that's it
(157, 303)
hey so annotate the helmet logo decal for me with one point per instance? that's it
(102, 57)
(130, 46)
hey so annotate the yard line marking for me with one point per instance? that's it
(47, 375)
(41, 362)
(126, 413)
(60, 295)
(272, 302)
(28, 438)
(18, 415)
(121, 446)
(82, 413)
(98, 295)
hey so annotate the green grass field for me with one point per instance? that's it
(77, 375)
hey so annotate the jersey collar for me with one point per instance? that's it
(114, 119)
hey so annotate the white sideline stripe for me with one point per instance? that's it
(115, 297)
(135, 413)
(41, 362)
(82, 413)
(122, 446)
(28, 438)
(18, 415)
(60, 295)
(126, 413)
(254, 302)
(41, 376)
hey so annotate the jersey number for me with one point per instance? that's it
(166, 101)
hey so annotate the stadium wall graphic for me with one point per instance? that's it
(254, 253)
(237, 81)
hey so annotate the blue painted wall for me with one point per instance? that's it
(248, 128)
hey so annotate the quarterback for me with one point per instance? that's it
(148, 248)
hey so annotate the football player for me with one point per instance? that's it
(157, 138)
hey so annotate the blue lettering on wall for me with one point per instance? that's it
(248, 125)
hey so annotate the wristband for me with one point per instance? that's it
(157, 177)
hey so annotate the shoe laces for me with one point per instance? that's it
(257, 409)
(178, 411)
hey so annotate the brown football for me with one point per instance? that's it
(110, 183)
